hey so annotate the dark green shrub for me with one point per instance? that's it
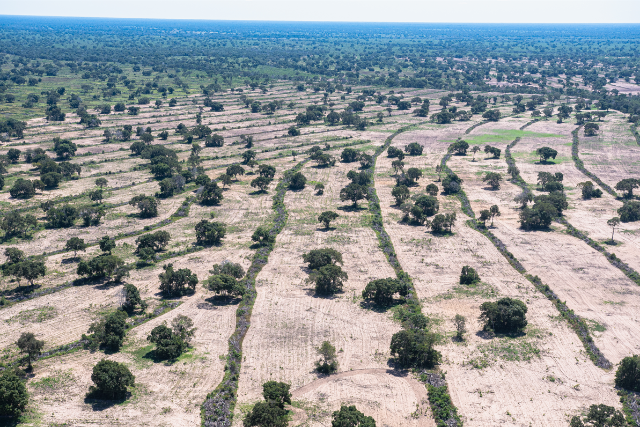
(108, 332)
(169, 346)
(13, 394)
(506, 315)
(415, 348)
(177, 282)
(468, 276)
(320, 257)
(382, 290)
(111, 380)
(628, 373)
(210, 233)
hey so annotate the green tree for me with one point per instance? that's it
(415, 348)
(328, 363)
(507, 315)
(414, 149)
(349, 416)
(177, 282)
(297, 181)
(107, 244)
(326, 217)
(101, 182)
(224, 284)
(29, 345)
(169, 346)
(276, 393)
(383, 290)
(600, 416)
(111, 379)
(235, 170)
(75, 244)
(494, 211)
(211, 194)
(461, 326)
(628, 373)
(349, 155)
(613, 223)
(328, 279)
(628, 185)
(262, 236)
(132, 299)
(468, 276)
(493, 179)
(148, 205)
(210, 233)
(13, 394)
(546, 153)
(400, 193)
(354, 192)
(317, 258)
(262, 183)
(264, 414)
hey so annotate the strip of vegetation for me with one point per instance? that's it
(580, 165)
(217, 409)
(630, 406)
(445, 413)
(634, 132)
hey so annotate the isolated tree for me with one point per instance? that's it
(169, 345)
(109, 331)
(264, 414)
(247, 156)
(211, 194)
(262, 183)
(546, 153)
(415, 348)
(210, 233)
(628, 373)
(474, 150)
(383, 290)
(14, 396)
(326, 217)
(148, 205)
(267, 171)
(111, 379)
(349, 416)
(506, 315)
(328, 279)
(460, 147)
(451, 184)
(495, 211)
(107, 244)
(157, 241)
(600, 416)
(485, 215)
(628, 185)
(101, 182)
(589, 190)
(262, 236)
(354, 192)
(493, 179)
(29, 345)
(317, 258)
(177, 282)
(276, 393)
(366, 160)
(349, 155)
(432, 190)
(613, 223)
(461, 326)
(132, 299)
(328, 363)
(297, 181)
(414, 149)
(468, 276)
(75, 244)
(224, 284)
(630, 211)
(235, 170)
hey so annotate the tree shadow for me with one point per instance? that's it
(324, 230)
(97, 404)
(545, 162)
(490, 188)
(258, 192)
(70, 260)
(352, 208)
(611, 243)
(223, 300)
(20, 290)
(378, 308)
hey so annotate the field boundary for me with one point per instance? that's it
(217, 409)
(576, 323)
(580, 165)
(446, 415)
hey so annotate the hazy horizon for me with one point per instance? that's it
(376, 11)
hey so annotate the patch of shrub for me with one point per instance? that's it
(507, 315)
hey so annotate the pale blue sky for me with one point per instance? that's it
(516, 11)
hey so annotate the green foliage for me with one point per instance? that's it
(22, 189)
(349, 416)
(460, 147)
(104, 265)
(328, 363)
(546, 153)
(14, 396)
(177, 283)
(328, 279)
(442, 407)
(276, 393)
(349, 155)
(326, 217)
(229, 268)
(493, 179)
(75, 244)
(415, 348)
(297, 181)
(451, 184)
(413, 149)
(354, 192)
(321, 257)
(210, 233)
(264, 414)
(157, 241)
(468, 276)
(62, 217)
(14, 224)
(21, 267)
(589, 190)
(382, 290)
(224, 284)
(111, 379)
(630, 211)
(600, 416)
(148, 205)
(169, 346)
(132, 299)
(628, 373)
(211, 194)
(108, 332)
(507, 315)
(400, 193)
(262, 183)
(29, 345)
